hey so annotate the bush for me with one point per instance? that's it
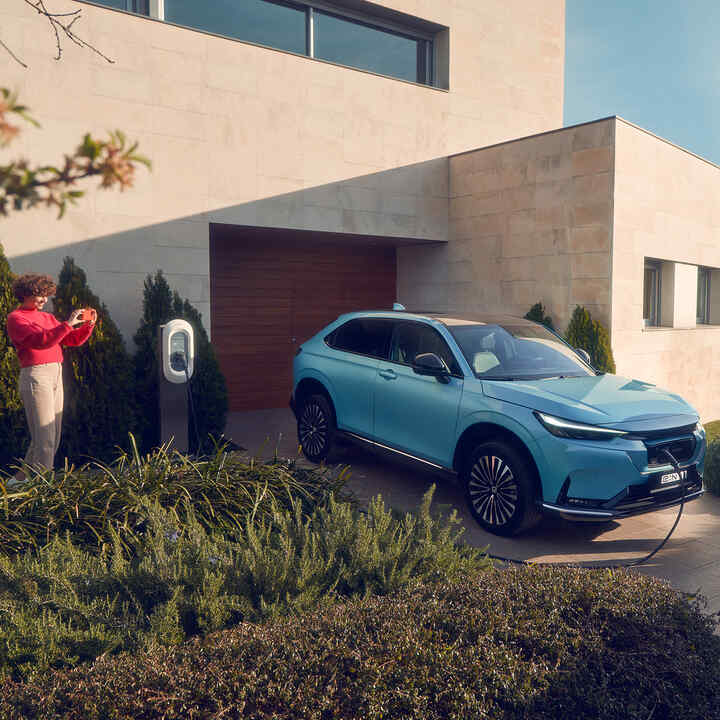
(14, 435)
(541, 643)
(712, 430)
(99, 392)
(65, 605)
(588, 334)
(712, 466)
(537, 314)
(95, 500)
(208, 388)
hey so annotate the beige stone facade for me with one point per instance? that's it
(248, 135)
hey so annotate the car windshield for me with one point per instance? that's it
(517, 352)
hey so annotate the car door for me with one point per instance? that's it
(356, 348)
(415, 413)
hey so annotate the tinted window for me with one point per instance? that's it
(137, 6)
(366, 336)
(348, 42)
(413, 339)
(523, 352)
(278, 25)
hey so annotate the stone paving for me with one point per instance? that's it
(690, 560)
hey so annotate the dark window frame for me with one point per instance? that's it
(704, 275)
(654, 314)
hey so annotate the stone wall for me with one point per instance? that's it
(666, 209)
(530, 221)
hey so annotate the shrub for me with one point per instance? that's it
(588, 334)
(712, 430)
(712, 466)
(208, 388)
(99, 392)
(93, 500)
(13, 427)
(537, 313)
(65, 605)
(541, 643)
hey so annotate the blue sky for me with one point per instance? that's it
(656, 63)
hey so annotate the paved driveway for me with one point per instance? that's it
(690, 560)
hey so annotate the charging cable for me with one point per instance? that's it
(178, 358)
(615, 566)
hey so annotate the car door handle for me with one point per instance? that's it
(387, 374)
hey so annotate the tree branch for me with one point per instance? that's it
(62, 26)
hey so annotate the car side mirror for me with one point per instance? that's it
(431, 364)
(585, 355)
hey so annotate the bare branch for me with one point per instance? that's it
(62, 26)
(13, 55)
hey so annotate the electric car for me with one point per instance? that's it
(524, 420)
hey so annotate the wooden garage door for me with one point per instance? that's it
(271, 291)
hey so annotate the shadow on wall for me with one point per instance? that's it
(406, 206)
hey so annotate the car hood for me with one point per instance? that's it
(599, 399)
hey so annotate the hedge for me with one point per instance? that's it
(712, 466)
(530, 643)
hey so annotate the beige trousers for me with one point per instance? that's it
(41, 390)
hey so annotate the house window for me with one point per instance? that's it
(137, 6)
(651, 293)
(276, 24)
(703, 296)
(361, 45)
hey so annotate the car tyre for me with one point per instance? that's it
(500, 489)
(316, 428)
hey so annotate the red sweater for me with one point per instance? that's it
(37, 336)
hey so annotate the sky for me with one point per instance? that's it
(655, 63)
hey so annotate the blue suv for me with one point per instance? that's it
(505, 404)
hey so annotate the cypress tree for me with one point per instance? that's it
(98, 376)
(207, 386)
(537, 314)
(588, 334)
(14, 435)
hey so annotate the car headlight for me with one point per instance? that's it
(578, 431)
(699, 428)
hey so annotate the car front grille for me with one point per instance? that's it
(682, 449)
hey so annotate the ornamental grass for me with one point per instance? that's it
(96, 501)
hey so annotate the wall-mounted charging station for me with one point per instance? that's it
(176, 361)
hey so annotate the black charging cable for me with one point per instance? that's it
(180, 359)
(615, 566)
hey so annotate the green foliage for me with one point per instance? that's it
(13, 427)
(209, 391)
(712, 466)
(513, 644)
(588, 334)
(537, 314)
(96, 500)
(712, 430)
(63, 605)
(99, 407)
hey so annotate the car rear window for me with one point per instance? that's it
(365, 336)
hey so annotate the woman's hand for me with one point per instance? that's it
(75, 318)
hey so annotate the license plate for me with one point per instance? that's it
(673, 477)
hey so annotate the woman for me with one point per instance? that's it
(38, 337)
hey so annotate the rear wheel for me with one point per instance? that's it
(500, 490)
(316, 427)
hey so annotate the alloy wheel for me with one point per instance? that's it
(313, 429)
(493, 490)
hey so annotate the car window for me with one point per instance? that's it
(412, 339)
(522, 352)
(365, 336)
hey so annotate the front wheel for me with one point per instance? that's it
(499, 489)
(316, 428)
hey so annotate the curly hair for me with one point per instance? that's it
(31, 284)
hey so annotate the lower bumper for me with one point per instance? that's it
(633, 500)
